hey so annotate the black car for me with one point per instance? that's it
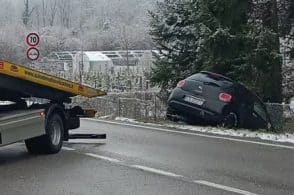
(212, 98)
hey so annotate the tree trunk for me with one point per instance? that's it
(276, 89)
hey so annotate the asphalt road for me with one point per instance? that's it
(137, 160)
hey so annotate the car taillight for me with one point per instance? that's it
(181, 84)
(225, 97)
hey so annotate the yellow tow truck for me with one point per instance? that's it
(44, 126)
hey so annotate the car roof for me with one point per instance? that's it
(211, 77)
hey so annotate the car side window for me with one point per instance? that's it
(258, 109)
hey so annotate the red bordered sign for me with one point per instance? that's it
(33, 39)
(33, 53)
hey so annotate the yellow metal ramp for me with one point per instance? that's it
(38, 80)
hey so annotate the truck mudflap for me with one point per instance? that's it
(87, 136)
(82, 113)
(89, 113)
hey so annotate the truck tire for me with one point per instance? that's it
(50, 143)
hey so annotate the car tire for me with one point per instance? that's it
(230, 121)
(170, 115)
(52, 141)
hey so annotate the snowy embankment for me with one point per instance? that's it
(284, 137)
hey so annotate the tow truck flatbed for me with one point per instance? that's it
(20, 81)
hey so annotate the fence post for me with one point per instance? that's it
(107, 107)
(118, 107)
(146, 111)
(103, 106)
(155, 109)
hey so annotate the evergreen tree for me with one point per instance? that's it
(222, 28)
(224, 36)
(175, 40)
(265, 58)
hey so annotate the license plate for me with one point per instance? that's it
(194, 100)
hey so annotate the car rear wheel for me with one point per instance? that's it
(171, 115)
(230, 120)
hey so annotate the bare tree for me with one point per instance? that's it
(64, 7)
(44, 12)
(27, 13)
(53, 11)
(125, 44)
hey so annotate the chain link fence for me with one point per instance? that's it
(140, 106)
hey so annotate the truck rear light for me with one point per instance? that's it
(81, 88)
(225, 97)
(1, 65)
(181, 84)
(90, 113)
(42, 114)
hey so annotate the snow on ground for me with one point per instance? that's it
(283, 137)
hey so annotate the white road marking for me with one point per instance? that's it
(223, 187)
(68, 149)
(170, 174)
(157, 171)
(195, 134)
(103, 157)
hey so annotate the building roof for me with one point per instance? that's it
(62, 56)
(96, 56)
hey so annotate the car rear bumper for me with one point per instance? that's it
(185, 110)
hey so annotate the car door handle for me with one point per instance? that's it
(254, 115)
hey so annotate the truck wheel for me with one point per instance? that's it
(50, 143)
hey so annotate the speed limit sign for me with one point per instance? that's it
(33, 39)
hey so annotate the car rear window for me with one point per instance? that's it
(210, 78)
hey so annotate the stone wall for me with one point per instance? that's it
(282, 117)
(142, 106)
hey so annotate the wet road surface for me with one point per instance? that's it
(138, 160)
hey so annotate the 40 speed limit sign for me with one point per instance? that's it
(33, 40)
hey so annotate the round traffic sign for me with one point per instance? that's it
(33, 53)
(33, 39)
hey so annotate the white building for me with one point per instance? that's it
(92, 61)
(137, 61)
